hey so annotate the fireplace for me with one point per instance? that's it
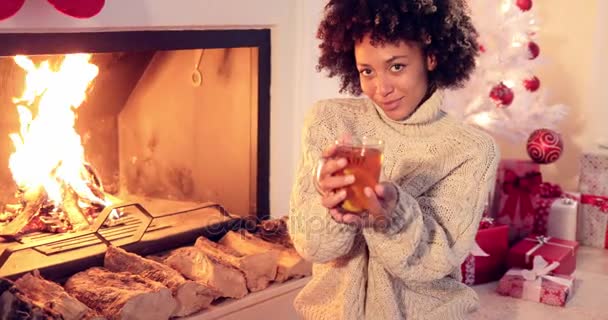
(175, 137)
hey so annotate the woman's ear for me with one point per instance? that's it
(431, 62)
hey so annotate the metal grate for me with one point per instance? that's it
(57, 243)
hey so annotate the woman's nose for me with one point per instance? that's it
(383, 86)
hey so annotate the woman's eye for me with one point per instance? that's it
(365, 72)
(397, 67)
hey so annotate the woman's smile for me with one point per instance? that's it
(390, 105)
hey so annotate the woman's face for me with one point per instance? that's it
(394, 76)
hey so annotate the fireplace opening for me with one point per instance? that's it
(165, 134)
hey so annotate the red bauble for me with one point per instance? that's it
(524, 5)
(78, 8)
(502, 95)
(533, 50)
(482, 49)
(545, 146)
(8, 8)
(532, 84)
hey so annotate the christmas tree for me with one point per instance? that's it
(504, 96)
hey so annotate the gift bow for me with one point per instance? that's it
(520, 190)
(596, 201)
(541, 241)
(540, 270)
(486, 222)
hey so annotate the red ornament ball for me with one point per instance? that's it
(502, 95)
(532, 84)
(524, 5)
(533, 50)
(545, 146)
(8, 8)
(78, 8)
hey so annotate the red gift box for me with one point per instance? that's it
(493, 240)
(551, 249)
(517, 189)
(537, 284)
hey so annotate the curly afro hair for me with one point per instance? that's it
(442, 27)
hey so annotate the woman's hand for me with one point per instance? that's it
(382, 200)
(331, 186)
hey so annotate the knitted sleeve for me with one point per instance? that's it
(429, 237)
(316, 236)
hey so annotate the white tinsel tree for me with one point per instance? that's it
(504, 96)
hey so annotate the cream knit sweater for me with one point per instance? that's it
(411, 270)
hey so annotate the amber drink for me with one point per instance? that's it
(364, 162)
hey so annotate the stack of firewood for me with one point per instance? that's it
(176, 284)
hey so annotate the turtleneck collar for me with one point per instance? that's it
(429, 111)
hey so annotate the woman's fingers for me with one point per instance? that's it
(347, 218)
(329, 151)
(333, 199)
(336, 215)
(336, 182)
(373, 203)
(331, 166)
(353, 219)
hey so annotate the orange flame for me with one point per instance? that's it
(48, 150)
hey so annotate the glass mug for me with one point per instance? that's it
(364, 161)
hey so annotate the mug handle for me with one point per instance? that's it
(317, 175)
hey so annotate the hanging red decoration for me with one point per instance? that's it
(524, 5)
(78, 8)
(533, 50)
(532, 84)
(8, 8)
(502, 95)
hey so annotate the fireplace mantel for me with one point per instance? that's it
(290, 37)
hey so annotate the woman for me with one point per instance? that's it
(437, 172)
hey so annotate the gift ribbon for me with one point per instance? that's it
(541, 241)
(599, 202)
(519, 190)
(486, 222)
(532, 286)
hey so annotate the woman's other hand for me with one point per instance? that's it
(382, 200)
(331, 186)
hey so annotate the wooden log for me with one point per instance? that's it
(275, 231)
(73, 211)
(32, 297)
(259, 269)
(191, 296)
(196, 265)
(290, 263)
(32, 201)
(121, 295)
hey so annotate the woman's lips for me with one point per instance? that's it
(391, 105)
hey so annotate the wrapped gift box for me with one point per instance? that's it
(556, 213)
(551, 249)
(537, 284)
(516, 192)
(483, 268)
(592, 224)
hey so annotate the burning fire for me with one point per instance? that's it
(57, 188)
